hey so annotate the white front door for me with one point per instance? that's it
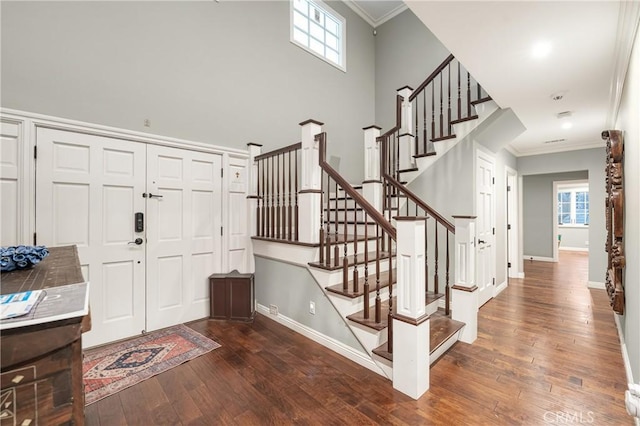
(88, 189)
(184, 227)
(485, 229)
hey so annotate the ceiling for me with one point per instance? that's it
(495, 41)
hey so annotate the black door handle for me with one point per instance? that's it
(481, 241)
(137, 241)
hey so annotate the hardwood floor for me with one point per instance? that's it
(547, 353)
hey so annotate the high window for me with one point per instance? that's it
(573, 206)
(319, 30)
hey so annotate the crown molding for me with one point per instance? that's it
(628, 20)
(370, 19)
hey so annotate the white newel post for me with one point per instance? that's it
(410, 323)
(464, 304)
(311, 191)
(372, 184)
(252, 200)
(407, 138)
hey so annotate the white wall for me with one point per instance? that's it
(574, 237)
(218, 72)
(628, 122)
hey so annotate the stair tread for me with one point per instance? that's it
(412, 169)
(371, 323)
(443, 138)
(350, 259)
(462, 120)
(481, 100)
(384, 282)
(426, 154)
(441, 329)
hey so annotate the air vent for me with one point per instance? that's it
(564, 114)
(555, 141)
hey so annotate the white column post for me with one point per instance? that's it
(407, 138)
(252, 200)
(411, 322)
(464, 304)
(372, 184)
(310, 194)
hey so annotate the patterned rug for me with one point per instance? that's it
(112, 368)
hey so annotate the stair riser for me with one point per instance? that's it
(335, 277)
(444, 347)
(347, 306)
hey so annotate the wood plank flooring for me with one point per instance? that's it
(547, 353)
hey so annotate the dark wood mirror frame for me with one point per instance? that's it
(614, 208)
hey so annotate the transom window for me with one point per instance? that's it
(319, 30)
(573, 206)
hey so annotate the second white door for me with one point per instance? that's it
(485, 228)
(183, 233)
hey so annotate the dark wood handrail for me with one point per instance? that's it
(413, 197)
(321, 138)
(279, 151)
(433, 75)
(399, 100)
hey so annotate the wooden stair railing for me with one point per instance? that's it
(431, 104)
(335, 240)
(277, 212)
(431, 114)
(394, 194)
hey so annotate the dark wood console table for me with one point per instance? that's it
(41, 364)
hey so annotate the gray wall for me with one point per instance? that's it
(222, 73)
(291, 288)
(628, 121)
(574, 237)
(537, 211)
(591, 160)
(406, 53)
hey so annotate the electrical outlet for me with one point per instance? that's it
(273, 310)
(147, 122)
(312, 308)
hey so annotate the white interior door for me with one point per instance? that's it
(184, 226)
(485, 229)
(10, 150)
(88, 189)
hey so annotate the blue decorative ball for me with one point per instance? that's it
(21, 257)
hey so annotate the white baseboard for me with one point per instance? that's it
(623, 348)
(326, 341)
(538, 258)
(499, 288)
(596, 284)
(574, 248)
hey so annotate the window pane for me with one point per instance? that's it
(564, 196)
(317, 32)
(332, 55)
(300, 21)
(317, 15)
(300, 37)
(316, 46)
(332, 26)
(331, 41)
(566, 218)
(302, 6)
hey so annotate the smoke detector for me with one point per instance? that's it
(557, 96)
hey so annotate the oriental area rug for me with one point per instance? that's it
(110, 369)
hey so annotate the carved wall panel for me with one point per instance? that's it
(614, 208)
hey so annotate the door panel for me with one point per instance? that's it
(10, 148)
(87, 191)
(485, 248)
(183, 234)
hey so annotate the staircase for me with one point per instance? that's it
(351, 237)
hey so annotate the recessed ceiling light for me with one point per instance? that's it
(567, 125)
(541, 49)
